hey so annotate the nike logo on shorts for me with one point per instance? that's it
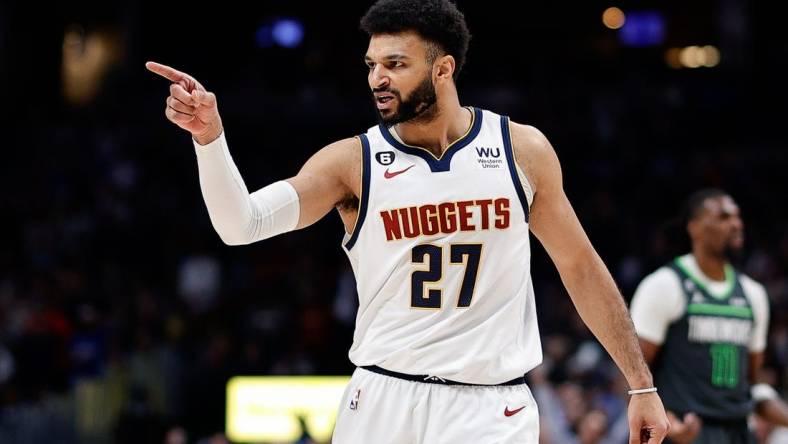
(507, 412)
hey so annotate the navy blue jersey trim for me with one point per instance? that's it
(510, 160)
(364, 199)
(443, 163)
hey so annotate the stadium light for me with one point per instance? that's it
(288, 32)
(642, 28)
(712, 56)
(693, 57)
(672, 58)
(284, 32)
(613, 17)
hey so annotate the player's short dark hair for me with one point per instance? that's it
(437, 21)
(695, 201)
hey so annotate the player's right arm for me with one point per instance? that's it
(590, 285)
(239, 217)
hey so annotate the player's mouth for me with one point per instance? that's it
(384, 101)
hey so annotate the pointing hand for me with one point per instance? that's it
(189, 105)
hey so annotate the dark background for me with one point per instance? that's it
(121, 312)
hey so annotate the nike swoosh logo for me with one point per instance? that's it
(507, 412)
(388, 175)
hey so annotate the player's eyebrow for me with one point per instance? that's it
(728, 212)
(394, 56)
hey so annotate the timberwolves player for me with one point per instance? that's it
(437, 202)
(703, 326)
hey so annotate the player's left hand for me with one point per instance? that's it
(648, 422)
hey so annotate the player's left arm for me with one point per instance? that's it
(585, 276)
(768, 404)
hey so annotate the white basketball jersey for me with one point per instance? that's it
(441, 256)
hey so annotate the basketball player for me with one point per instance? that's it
(437, 202)
(702, 324)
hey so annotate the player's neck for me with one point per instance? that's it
(712, 265)
(451, 122)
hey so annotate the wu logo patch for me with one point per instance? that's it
(489, 157)
(354, 401)
(488, 152)
(385, 157)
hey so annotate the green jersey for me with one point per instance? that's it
(703, 365)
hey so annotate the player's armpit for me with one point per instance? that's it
(327, 178)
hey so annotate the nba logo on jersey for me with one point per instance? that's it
(354, 401)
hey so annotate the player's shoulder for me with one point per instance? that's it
(342, 151)
(533, 153)
(340, 159)
(348, 144)
(663, 276)
(528, 138)
(657, 294)
(752, 288)
(750, 282)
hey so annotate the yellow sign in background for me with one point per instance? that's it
(268, 408)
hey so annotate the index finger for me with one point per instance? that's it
(165, 71)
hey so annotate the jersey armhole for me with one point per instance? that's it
(514, 170)
(529, 190)
(364, 198)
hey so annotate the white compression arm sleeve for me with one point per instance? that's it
(238, 217)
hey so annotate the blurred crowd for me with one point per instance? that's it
(122, 315)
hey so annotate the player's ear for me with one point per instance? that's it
(693, 228)
(443, 68)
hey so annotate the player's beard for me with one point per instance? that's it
(733, 253)
(419, 106)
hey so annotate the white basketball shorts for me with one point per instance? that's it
(381, 409)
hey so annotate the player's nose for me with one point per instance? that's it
(378, 77)
(737, 224)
